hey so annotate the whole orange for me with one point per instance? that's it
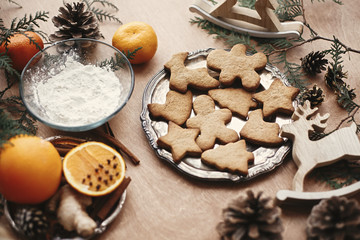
(138, 36)
(21, 49)
(30, 170)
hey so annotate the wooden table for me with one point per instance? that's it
(162, 203)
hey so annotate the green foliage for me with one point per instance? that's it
(13, 2)
(335, 1)
(101, 14)
(289, 9)
(247, 3)
(339, 174)
(131, 54)
(10, 127)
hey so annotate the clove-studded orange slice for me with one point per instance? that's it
(94, 168)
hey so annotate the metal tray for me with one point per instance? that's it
(64, 235)
(266, 159)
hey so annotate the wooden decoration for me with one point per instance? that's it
(261, 22)
(307, 154)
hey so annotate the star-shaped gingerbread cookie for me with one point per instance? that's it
(232, 157)
(211, 122)
(180, 142)
(237, 100)
(277, 98)
(259, 132)
(177, 107)
(236, 64)
(181, 76)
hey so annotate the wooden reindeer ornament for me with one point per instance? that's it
(261, 22)
(307, 154)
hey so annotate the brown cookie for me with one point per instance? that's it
(259, 132)
(180, 142)
(181, 77)
(236, 64)
(237, 100)
(177, 107)
(211, 122)
(277, 98)
(232, 157)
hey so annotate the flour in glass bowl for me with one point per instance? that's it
(78, 94)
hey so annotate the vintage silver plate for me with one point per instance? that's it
(266, 159)
(63, 235)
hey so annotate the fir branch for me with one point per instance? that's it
(17, 111)
(247, 3)
(289, 9)
(335, 1)
(131, 54)
(13, 2)
(293, 71)
(106, 3)
(339, 174)
(8, 127)
(101, 14)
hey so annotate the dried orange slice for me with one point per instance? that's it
(94, 168)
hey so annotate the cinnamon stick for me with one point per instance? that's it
(121, 146)
(103, 205)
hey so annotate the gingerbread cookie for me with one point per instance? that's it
(232, 157)
(211, 122)
(181, 77)
(180, 142)
(236, 64)
(259, 132)
(177, 107)
(277, 98)
(237, 100)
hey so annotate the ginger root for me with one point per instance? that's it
(71, 212)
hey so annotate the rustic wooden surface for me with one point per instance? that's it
(161, 202)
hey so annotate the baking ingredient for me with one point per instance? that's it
(71, 213)
(94, 168)
(136, 36)
(79, 94)
(30, 169)
(21, 49)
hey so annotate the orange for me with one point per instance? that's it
(94, 168)
(135, 35)
(21, 50)
(30, 170)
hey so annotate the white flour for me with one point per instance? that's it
(79, 94)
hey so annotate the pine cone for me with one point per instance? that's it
(75, 22)
(334, 81)
(314, 95)
(314, 62)
(335, 218)
(32, 222)
(251, 217)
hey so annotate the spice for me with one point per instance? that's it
(78, 94)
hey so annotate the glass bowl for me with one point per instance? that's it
(76, 84)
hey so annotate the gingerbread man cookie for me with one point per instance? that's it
(232, 156)
(177, 107)
(180, 141)
(277, 98)
(211, 122)
(237, 100)
(236, 64)
(181, 77)
(259, 132)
